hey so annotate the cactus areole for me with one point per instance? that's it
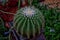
(28, 21)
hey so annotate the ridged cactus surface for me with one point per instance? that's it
(28, 21)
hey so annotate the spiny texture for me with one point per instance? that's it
(28, 21)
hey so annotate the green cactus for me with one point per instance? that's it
(28, 21)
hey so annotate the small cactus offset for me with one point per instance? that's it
(28, 21)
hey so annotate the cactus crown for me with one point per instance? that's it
(28, 21)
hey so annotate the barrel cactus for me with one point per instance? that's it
(28, 21)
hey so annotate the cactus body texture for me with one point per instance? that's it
(28, 21)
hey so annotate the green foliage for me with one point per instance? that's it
(52, 21)
(2, 30)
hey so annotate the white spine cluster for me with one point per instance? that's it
(28, 11)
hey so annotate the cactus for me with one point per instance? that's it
(28, 21)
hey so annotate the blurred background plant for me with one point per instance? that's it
(52, 18)
(2, 30)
